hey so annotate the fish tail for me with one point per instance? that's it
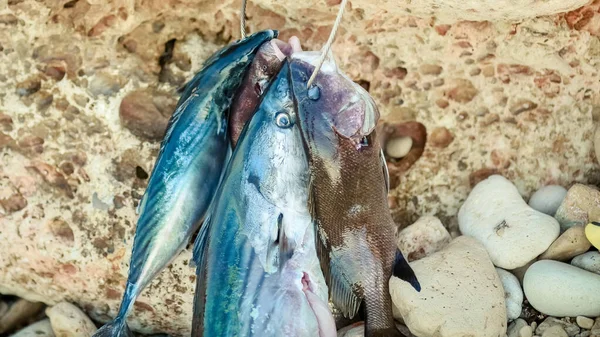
(389, 332)
(116, 328)
(403, 271)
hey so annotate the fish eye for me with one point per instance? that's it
(283, 120)
(314, 92)
(364, 141)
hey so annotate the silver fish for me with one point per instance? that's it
(258, 271)
(187, 171)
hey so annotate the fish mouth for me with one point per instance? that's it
(325, 320)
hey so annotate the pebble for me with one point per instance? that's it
(440, 137)
(526, 331)
(555, 331)
(104, 84)
(580, 206)
(514, 329)
(592, 233)
(547, 199)
(463, 91)
(571, 243)
(522, 105)
(18, 313)
(426, 236)
(458, 279)
(38, 329)
(512, 232)
(550, 322)
(398, 147)
(67, 320)
(513, 294)
(560, 289)
(430, 69)
(584, 322)
(358, 330)
(145, 119)
(589, 261)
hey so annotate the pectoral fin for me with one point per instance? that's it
(403, 271)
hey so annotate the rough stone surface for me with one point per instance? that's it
(569, 244)
(571, 329)
(426, 236)
(78, 247)
(559, 289)
(580, 206)
(458, 279)
(514, 328)
(512, 232)
(68, 320)
(38, 329)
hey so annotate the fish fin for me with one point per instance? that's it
(343, 295)
(388, 332)
(386, 172)
(403, 271)
(199, 261)
(115, 328)
(200, 244)
(286, 248)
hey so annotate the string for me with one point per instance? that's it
(243, 20)
(327, 45)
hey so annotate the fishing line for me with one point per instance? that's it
(243, 19)
(327, 45)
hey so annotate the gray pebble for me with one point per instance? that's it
(547, 199)
(589, 261)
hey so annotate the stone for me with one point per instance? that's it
(140, 113)
(522, 105)
(512, 232)
(14, 203)
(571, 243)
(104, 84)
(440, 137)
(547, 199)
(38, 329)
(520, 272)
(584, 322)
(463, 92)
(455, 280)
(580, 206)
(555, 331)
(358, 330)
(29, 86)
(430, 69)
(597, 143)
(514, 328)
(589, 261)
(569, 328)
(19, 312)
(426, 236)
(513, 294)
(67, 320)
(559, 289)
(526, 331)
(398, 147)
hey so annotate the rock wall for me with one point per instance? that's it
(87, 86)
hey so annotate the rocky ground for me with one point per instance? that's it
(467, 90)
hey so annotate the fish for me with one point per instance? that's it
(348, 192)
(187, 170)
(258, 273)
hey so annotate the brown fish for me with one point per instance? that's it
(349, 186)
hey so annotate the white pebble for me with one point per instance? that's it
(560, 289)
(426, 236)
(589, 261)
(514, 328)
(547, 199)
(555, 331)
(398, 147)
(512, 232)
(526, 331)
(584, 322)
(38, 329)
(512, 292)
(69, 321)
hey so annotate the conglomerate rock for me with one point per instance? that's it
(512, 92)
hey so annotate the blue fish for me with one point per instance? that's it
(258, 270)
(187, 172)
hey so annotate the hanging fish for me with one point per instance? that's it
(187, 171)
(258, 271)
(349, 186)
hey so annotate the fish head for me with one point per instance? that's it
(333, 107)
(262, 71)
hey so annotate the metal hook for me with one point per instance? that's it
(327, 45)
